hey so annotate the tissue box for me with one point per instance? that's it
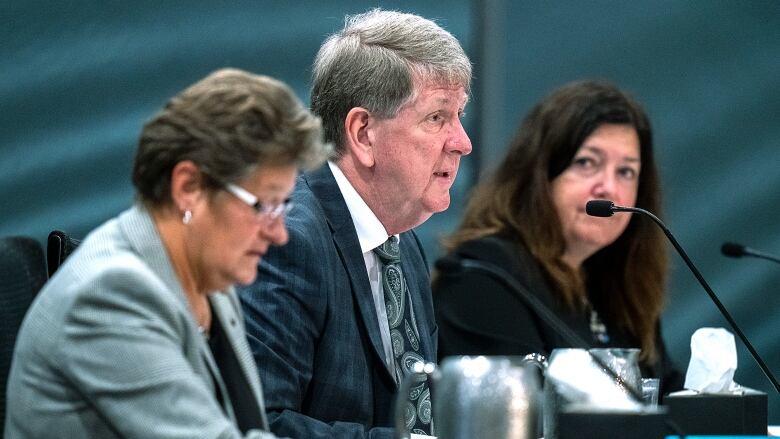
(721, 414)
(585, 424)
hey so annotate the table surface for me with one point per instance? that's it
(774, 430)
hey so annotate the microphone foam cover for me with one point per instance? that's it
(733, 250)
(601, 208)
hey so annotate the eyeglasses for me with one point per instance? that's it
(263, 211)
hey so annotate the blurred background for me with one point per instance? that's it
(79, 78)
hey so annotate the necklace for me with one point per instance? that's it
(597, 328)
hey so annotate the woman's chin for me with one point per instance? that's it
(247, 278)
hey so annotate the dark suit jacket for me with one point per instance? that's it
(478, 315)
(311, 318)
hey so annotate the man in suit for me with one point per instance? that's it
(336, 325)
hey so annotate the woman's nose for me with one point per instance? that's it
(275, 231)
(605, 184)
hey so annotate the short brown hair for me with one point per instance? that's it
(229, 123)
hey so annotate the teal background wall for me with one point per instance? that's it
(79, 78)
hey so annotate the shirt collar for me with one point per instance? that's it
(370, 231)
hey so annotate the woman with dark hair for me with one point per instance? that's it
(140, 333)
(605, 277)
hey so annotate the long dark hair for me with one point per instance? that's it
(626, 279)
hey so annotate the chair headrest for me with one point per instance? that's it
(58, 247)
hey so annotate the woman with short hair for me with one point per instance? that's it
(139, 333)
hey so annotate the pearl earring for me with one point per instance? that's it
(187, 217)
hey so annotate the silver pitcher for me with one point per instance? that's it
(477, 397)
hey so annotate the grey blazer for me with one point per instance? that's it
(109, 348)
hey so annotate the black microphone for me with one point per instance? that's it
(733, 250)
(605, 208)
(453, 264)
(737, 251)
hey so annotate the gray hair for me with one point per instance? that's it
(228, 124)
(373, 63)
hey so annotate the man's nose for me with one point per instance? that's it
(458, 141)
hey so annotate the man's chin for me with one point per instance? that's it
(439, 205)
(425, 210)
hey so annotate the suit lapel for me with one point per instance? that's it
(216, 378)
(230, 322)
(142, 236)
(325, 189)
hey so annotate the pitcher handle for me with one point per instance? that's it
(419, 369)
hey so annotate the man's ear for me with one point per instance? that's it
(186, 185)
(359, 136)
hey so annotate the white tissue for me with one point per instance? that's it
(713, 361)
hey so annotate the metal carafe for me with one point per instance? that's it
(477, 397)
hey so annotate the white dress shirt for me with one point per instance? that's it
(371, 234)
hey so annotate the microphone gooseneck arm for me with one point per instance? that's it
(531, 301)
(707, 288)
(544, 312)
(761, 255)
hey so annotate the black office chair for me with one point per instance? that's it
(22, 274)
(58, 247)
